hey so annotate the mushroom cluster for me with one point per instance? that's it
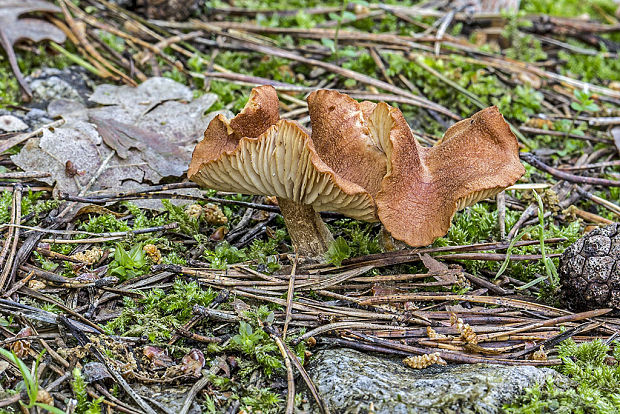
(361, 160)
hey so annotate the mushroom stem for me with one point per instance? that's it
(308, 232)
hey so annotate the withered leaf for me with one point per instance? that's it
(440, 271)
(157, 356)
(219, 233)
(193, 363)
(95, 371)
(138, 135)
(432, 264)
(119, 136)
(21, 348)
(162, 156)
(240, 307)
(98, 210)
(13, 28)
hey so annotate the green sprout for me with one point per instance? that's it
(30, 382)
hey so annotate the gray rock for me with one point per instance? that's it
(167, 396)
(355, 382)
(71, 83)
(95, 371)
(10, 123)
(35, 114)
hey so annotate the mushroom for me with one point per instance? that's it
(255, 153)
(417, 190)
(362, 160)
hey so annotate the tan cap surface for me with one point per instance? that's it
(259, 113)
(283, 162)
(477, 158)
(346, 139)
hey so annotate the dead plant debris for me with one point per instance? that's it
(118, 276)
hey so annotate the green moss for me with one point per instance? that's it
(253, 341)
(30, 203)
(478, 224)
(223, 255)
(187, 225)
(518, 103)
(570, 8)
(524, 47)
(159, 313)
(594, 387)
(264, 252)
(253, 398)
(6, 201)
(173, 258)
(10, 93)
(176, 75)
(230, 96)
(84, 406)
(9, 88)
(338, 251)
(103, 224)
(115, 42)
(597, 68)
(305, 20)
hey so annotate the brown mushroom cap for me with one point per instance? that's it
(424, 187)
(347, 139)
(417, 190)
(259, 113)
(254, 153)
(283, 162)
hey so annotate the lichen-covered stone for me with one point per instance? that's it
(169, 397)
(355, 382)
(50, 83)
(10, 123)
(590, 270)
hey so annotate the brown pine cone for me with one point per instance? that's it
(590, 270)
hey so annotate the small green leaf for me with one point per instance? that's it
(338, 251)
(591, 107)
(576, 106)
(49, 408)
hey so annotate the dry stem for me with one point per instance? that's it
(309, 234)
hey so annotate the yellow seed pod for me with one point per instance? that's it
(466, 331)
(152, 252)
(540, 355)
(539, 123)
(423, 361)
(36, 284)
(193, 211)
(213, 214)
(432, 334)
(90, 256)
(462, 281)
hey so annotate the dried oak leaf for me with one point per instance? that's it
(615, 133)
(157, 356)
(441, 272)
(193, 363)
(139, 135)
(13, 28)
(22, 348)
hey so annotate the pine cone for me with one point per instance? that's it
(590, 270)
